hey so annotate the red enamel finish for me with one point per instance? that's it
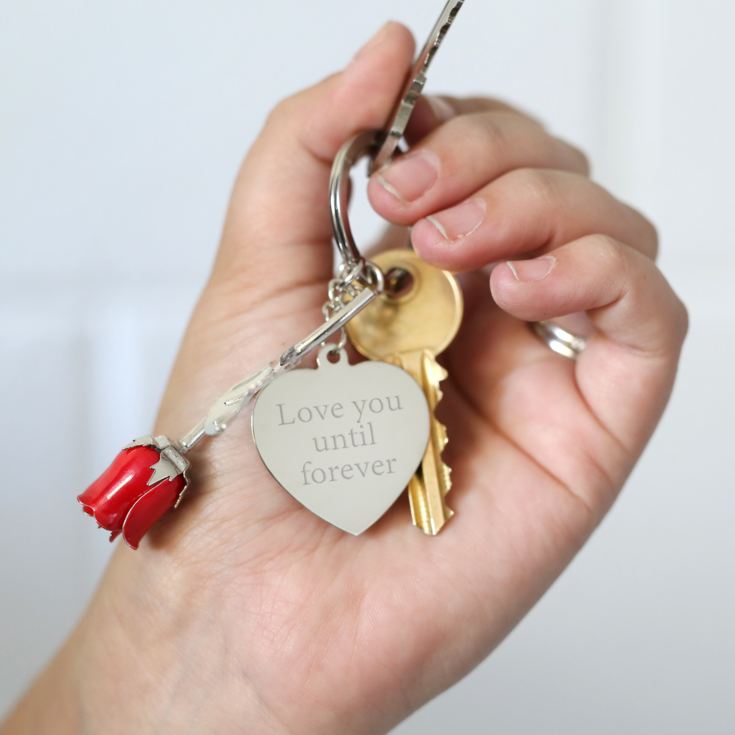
(149, 509)
(120, 500)
(112, 494)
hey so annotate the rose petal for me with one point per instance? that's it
(149, 509)
(114, 492)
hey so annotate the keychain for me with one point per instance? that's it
(344, 440)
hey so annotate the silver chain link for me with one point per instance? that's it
(345, 286)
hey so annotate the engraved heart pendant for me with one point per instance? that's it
(343, 439)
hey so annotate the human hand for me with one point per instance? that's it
(244, 612)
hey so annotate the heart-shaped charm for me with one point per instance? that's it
(343, 439)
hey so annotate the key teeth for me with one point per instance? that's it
(438, 373)
(447, 481)
(446, 470)
(442, 438)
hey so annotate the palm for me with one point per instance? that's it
(307, 596)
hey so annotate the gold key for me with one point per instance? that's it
(413, 322)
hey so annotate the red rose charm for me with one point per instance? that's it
(143, 482)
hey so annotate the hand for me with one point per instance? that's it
(244, 612)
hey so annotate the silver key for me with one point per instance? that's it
(411, 92)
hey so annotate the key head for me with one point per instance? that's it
(398, 121)
(421, 309)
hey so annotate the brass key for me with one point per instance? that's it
(413, 322)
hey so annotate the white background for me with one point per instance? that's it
(121, 128)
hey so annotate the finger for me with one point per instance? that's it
(461, 156)
(279, 208)
(523, 212)
(432, 111)
(627, 370)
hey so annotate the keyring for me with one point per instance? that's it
(347, 157)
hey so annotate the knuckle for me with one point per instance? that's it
(536, 184)
(583, 163)
(681, 317)
(282, 110)
(484, 128)
(651, 236)
(610, 250)
(493, 129)
(646, 233)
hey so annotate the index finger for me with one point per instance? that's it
(432, 111)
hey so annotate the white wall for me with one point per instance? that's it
(121, 127)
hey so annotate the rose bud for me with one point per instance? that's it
(143, 482)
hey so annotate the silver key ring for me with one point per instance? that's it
(349, 154)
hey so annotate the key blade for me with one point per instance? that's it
(428, 488)
(411, 92)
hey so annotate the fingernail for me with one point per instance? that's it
(375, 40)
(457, 222)
(528, 271)
(411, 176)
(442, 110)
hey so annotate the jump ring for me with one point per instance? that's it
(374, 277)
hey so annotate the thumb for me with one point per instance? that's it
(277, 234)
(278, 229)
